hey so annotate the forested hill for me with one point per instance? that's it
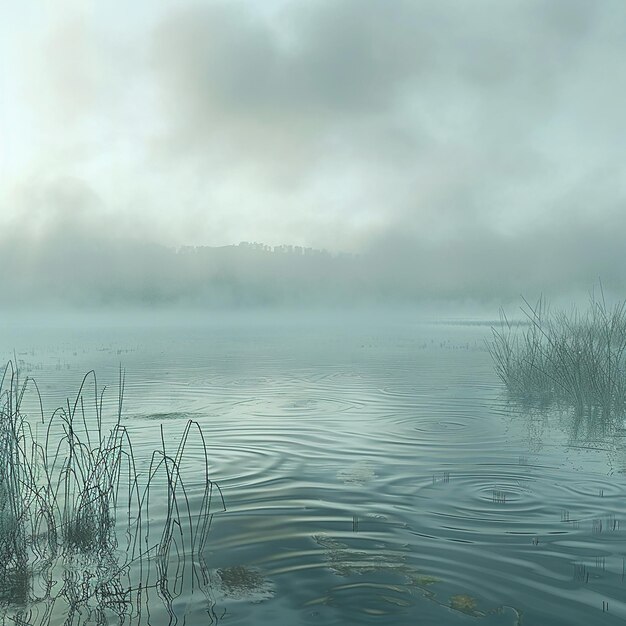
(94, 272)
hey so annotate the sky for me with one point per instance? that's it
(477, 144)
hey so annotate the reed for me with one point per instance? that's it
(22, 512)
(570, 358)
(70, 488)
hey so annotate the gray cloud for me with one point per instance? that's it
(457, 147)
(405, 101)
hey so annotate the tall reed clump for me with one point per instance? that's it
(25, 515)
(573, 359)
(14, 505)
(87, 465)
(70, 487)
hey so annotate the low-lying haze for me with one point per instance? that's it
(433, 149)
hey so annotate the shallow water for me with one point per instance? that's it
(373, 470)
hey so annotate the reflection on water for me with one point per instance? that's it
(96, 590)
(374, 472)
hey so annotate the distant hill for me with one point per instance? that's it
(80, 270)
(93, 272)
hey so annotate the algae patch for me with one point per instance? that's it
(465, 604)
(241, 582)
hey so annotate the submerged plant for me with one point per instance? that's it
(574, 359)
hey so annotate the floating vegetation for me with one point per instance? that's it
(171, 415)
(423, 580)
(239, 578)
(346, 561)
(465, 604)
(574, 359)
(75, 507)
(242, 582)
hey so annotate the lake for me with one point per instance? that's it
(372, 467)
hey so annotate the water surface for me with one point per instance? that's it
(373, 470)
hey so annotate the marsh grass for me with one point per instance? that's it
(574, 359)
(71, 490)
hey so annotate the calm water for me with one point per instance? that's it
(373, 471)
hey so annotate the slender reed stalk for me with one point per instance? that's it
(571, 358)
(70, 484)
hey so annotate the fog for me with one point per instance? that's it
(71, 269)
(388, 154)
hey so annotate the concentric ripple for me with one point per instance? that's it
(372, 472)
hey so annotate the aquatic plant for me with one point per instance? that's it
(571, 358)
(465, 604)
(22, 513)
(70, 488)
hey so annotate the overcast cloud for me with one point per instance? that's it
(459, 146)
